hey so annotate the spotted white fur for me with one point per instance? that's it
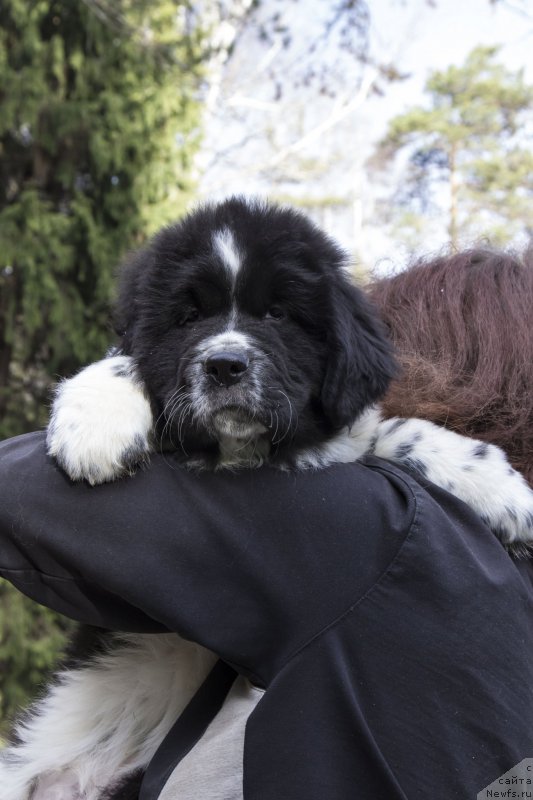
(346, 446)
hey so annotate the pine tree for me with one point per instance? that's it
(97, 135)
(472, 137)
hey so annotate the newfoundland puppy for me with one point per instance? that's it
(249, 338)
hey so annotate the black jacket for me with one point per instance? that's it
(391, 630)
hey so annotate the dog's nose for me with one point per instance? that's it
(226, 368)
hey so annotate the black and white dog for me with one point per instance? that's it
(242, 340)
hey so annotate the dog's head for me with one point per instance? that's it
(245, 327)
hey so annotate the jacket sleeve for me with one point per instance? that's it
(250, 565)
(41, 554)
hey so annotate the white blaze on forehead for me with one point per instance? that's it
(226, 249)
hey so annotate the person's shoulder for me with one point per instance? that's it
(430, 504)
(27, 445)
(392, 472)
(447, 532)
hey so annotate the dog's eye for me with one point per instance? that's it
(275, 312)
(192, 315)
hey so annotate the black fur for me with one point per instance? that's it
(128, 789)
(321, 355)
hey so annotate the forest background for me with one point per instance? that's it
(396, 131)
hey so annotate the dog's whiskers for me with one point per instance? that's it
(185, 411)
(178, 405)
(277, 425)
(289, 427)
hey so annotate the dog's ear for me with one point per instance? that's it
(131, 280)
(360, 359)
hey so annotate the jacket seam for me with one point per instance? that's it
(30, 571)
(413, 527)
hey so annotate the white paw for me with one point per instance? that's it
(508, 508)
(101, 422)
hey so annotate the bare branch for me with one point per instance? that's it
(341, 113)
